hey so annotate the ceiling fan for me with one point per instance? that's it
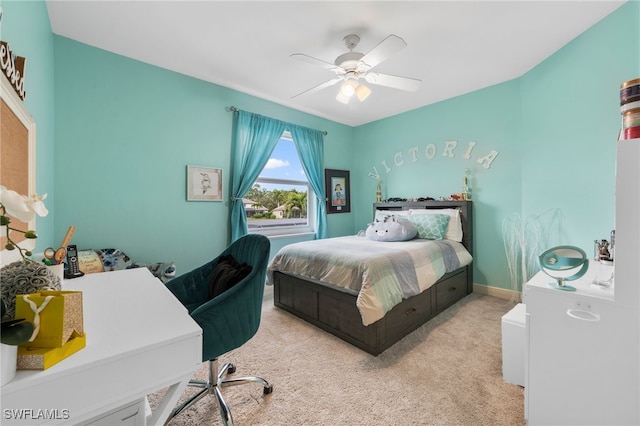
(352, 68)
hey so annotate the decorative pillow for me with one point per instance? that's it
(114, 259)
(109, 259)
(89, 262)
(164, 271)
(454, 228)
(227, 273)
(391, 228)
(430, 226)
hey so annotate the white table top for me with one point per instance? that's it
(133, 325)
(597, 272)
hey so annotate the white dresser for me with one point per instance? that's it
(582, 358)
(140, 339)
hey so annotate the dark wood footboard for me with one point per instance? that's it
(335, 311)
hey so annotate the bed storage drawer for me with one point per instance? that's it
(451, 290)
(411, 314)
(336, 311)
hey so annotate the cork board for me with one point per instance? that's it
(14, 156)
(17, 159)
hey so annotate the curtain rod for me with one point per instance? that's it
(234, 109)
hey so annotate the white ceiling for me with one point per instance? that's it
(454, 47)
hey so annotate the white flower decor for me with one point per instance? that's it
(24, 209)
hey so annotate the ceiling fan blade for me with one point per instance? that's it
(402, 83)
(384, 50)
(320, 62)
(319, 87)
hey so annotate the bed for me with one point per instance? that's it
(338, 307)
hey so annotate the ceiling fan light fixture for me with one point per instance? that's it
(352, 68)
(348, 88)
(342, 98)
(362, 92)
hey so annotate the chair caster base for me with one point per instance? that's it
(214, 386)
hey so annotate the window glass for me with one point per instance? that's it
(278, 202)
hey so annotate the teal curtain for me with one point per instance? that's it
(310, 146)
(255, 137)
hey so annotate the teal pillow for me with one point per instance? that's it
(430, 226)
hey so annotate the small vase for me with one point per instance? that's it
(58, 270)
(8, 361)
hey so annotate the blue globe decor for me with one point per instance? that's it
(564, 263)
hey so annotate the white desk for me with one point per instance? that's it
(139, 339)
(581, 359)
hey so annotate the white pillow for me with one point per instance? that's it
(381, 214)
(454, 228)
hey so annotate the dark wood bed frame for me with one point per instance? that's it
(334, 310)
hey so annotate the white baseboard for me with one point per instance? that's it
(499, 292)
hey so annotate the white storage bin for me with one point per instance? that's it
(513, 343)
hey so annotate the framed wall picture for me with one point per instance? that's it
(204, 183)
(338, 191)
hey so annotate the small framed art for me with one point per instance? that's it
(204, 183)
(338, 191)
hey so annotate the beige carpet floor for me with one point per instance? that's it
(447, 372)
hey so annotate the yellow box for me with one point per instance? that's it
(60, 319)
(31, 358)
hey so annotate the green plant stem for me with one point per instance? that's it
(11, 245)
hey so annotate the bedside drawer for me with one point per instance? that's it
(447, 293)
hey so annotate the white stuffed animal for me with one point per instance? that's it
(391, 228)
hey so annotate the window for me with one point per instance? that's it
(278, 202)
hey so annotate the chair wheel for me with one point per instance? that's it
(268, 389)
(231, 369)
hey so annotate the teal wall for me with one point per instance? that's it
(25, 26)
(554, 128)
(571, 119)
(491, 119)
(125, 131)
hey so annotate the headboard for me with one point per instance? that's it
(465, 207)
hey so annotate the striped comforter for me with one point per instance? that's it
(380, 273)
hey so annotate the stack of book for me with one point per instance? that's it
(630, 109)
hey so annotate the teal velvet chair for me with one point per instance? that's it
(227, 320)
